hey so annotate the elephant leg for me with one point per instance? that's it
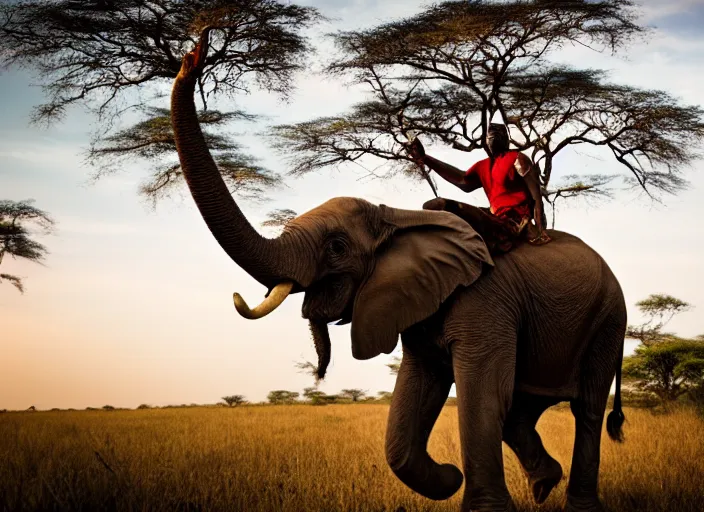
(484, 371)
(588, 409)
(543, 472)
(419, 395)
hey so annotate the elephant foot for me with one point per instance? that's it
(583, 504)
(508, 507)
(543, 481)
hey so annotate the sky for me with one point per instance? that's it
(134, 305)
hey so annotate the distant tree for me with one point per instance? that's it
(234, 400)
(664, 365)
(395, 365)
(16, 217)
(120, 57)
(668, 369)
(313, 393)
(108, 408)
(144, 406)
(385, 396)
(281, 396)
(659, 309)
(353, 394)
(326, 399)
(31, 408)
(444, 73)
(278, 219)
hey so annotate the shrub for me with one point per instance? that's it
(234, 400)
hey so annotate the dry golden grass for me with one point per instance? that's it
(303, 458)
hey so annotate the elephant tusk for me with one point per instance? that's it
(273, 301)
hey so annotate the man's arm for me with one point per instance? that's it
(448, 172)
(525, 168)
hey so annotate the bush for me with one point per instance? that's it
(282, 396)
(234, 400)
(144, 406)
(108, 408)
(696, 398)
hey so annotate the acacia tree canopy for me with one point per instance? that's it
(659, 309)
(234, 400)
(444, 73)
(153, 140)
(15, 235)
(353, 394)
(113, 57)
(666, 365)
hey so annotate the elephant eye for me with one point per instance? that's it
(336, 248)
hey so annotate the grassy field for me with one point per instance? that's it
(304, 458)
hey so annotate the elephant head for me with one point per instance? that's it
(382, 269)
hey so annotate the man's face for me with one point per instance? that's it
(496, 140)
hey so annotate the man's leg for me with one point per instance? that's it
(497, 237)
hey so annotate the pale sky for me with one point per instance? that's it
(135, 306)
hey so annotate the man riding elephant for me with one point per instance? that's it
(510, 182)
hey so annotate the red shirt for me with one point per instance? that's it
(503, 186)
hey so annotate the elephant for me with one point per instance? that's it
(517, 333)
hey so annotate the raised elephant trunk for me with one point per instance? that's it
(267, 260)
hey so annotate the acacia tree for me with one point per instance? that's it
(153, 140)
(118, 57)
(395, 365)
(277, 220)
(353, 394)
(282, 396)
(664, 364)
(385, 396)
(668, 369)
(15, 235)
(234, 400)
(447, 71)
(659, 310)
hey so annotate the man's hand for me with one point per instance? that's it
(539, 218)
(416, 151)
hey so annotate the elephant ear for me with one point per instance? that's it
(428, 255)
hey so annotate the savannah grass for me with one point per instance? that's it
(305, 458)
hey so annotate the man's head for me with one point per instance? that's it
(497, 139)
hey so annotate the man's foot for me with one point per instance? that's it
(435, 204)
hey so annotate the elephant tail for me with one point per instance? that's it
(615, 420)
